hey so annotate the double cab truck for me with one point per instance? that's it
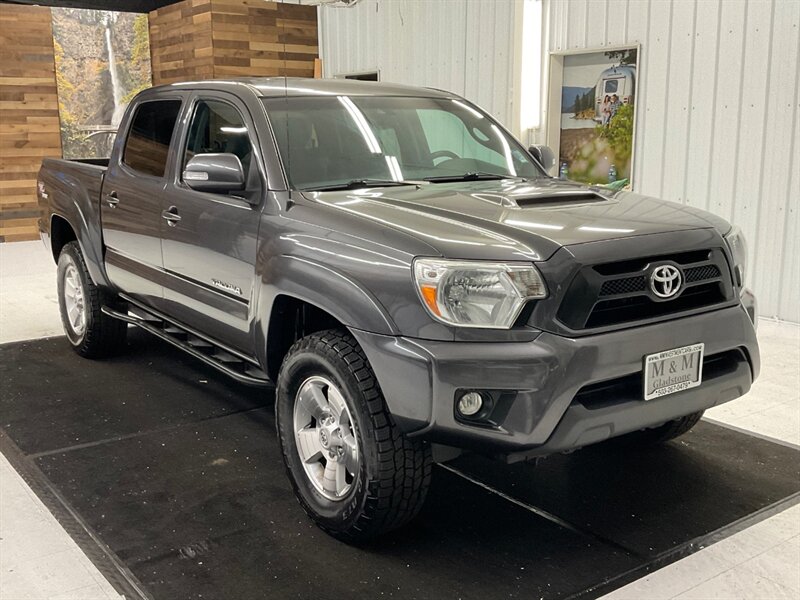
(404, 274)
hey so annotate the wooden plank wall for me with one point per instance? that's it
(180, 42)
(253, 38)
(29, 126)
(192, 39)
(232, 38)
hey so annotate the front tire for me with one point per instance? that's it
(354, 473)
(91, 333)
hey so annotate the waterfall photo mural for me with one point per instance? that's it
(102, 61)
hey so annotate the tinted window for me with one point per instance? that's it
(447, 135)
(147, 146)
(218, 127)
(328, 140)
(611, 86)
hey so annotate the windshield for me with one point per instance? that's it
(329, 141)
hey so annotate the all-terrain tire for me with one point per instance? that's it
(98, 335)
(666, 432)
(394, 472)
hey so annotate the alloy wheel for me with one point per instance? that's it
(324, 436)
(74, 300)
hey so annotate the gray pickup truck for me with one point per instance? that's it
(404, 273)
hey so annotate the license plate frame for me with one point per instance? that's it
(680, 369)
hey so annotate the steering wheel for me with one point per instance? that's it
(444, 154)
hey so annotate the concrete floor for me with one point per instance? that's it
(38, 560)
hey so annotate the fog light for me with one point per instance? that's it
(469, 404)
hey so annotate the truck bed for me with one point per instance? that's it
(84, 176)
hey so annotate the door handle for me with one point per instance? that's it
(171, 216)
(112, 200)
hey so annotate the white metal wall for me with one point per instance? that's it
(718, 115)
(464, 46)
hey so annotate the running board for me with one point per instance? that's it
(239, 369)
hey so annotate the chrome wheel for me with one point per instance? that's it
(74, 299)
(323, 433)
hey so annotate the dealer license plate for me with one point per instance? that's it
(672, 371)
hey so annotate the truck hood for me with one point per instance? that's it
(512, 219)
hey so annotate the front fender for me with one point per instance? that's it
(322, 286)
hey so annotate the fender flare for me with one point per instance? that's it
(321, 286)
(92, 252)
(328, 289)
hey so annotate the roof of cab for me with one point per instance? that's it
(299, 86)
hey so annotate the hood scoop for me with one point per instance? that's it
(559, 198)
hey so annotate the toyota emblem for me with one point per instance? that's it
(666, 281)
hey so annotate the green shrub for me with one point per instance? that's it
(619, 133)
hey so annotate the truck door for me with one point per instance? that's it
(131, 199)
(210, 242)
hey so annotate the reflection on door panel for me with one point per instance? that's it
(210, 254)
(131, 204)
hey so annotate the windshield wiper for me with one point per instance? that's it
(355, 184)
(470, 176)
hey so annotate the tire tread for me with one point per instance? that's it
(663, 433)
(673, 429)
(397, 493)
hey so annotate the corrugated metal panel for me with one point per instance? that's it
(718, 122)
(465, 46)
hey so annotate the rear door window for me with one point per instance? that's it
(147, 145)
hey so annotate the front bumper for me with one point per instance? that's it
(555, 401)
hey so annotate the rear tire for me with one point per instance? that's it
(664, 433)
(385, 474)
(91, 333)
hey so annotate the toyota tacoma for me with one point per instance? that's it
(404, 273)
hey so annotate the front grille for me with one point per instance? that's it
(701, 273)
(627, 285)
(616, 293)
(637, 308)
(630, 387)
(638, 264)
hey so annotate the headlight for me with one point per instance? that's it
(475, 293)
(738, 248)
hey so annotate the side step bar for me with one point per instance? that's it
(235, 367)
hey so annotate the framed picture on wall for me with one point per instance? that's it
(592, 114)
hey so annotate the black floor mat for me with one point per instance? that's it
(177, 470)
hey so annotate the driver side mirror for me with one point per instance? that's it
(544, 156)
(213, 172)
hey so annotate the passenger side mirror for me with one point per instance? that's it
(214, 173)
(544, 156)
